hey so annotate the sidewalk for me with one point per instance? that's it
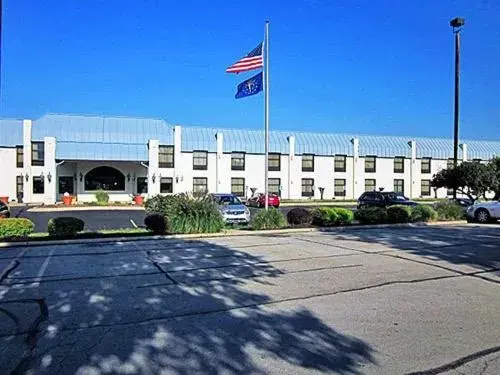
(85, 208)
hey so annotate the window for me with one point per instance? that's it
(274, 186)
(200, 160)
(200, 185)
(450, 164)
(339, 187)
(274, 162)
(142, 185)
(399, 186)
(449, 192)
(307, 164)
(399, 164)
(166, 157)
(104, 178)
(66, 185)
(426, 188)
(370, 184)
(340, 163)
(19, 156)
(38, 185)
(308, 187)
(19, 188)
(426, 165)
(166, 185)
(370, 164)
(238, 161)
(37, 153)
(238, 186)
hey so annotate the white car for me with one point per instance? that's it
(233, 211)
(484, 212)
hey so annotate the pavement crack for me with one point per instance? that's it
(32, 338)
(157, 265)
(458, 363)
(11, 267)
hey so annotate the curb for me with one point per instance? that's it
(89, 208)
(232, 233)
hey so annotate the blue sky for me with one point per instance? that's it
(369, 66)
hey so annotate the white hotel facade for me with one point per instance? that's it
(42, 159)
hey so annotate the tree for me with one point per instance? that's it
(470, 178)
(495, 166)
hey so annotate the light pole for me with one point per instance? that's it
(456, 24)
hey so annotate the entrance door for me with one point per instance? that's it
(66, 185)
(19, 189)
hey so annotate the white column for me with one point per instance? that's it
(355, 178)
(464, 152)
(218, 161)
(178, 175)
(50, 171)
(291, 167)
(28, 186)
(153, 170)
(413, 168)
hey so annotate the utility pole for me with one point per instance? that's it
(456, 24)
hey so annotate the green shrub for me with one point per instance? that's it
(449, 210)
(371, 215)
(65, 226)
(15, 228)
(344, 216)
(102, 197)
(185, 214)
(269, 219)
(324, 216)
(299, 216)
(398, 214)
(156, 223)
(423, 213)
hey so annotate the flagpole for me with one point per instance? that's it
(266, 113)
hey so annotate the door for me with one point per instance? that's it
(19, 189)
(66, 185)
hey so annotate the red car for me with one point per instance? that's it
(259, 200)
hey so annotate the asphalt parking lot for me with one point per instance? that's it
(389, 301)
(101, 219)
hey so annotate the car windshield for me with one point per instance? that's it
(396, 197)
(227, 200)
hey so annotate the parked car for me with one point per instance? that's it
(259, 200)
(463, 202)
(383, 199)
(4, 210)
(232, 209)
(484, 212)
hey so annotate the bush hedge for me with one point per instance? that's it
(156, 223)
(371, 215)
(15, 228)
(65, 226)
(449, 210)
(269, 219)
(344, 216)
(299, 216)
(102, 197)
(398, 214)
(329, 216)
(186, 214)
(423, 213)
(324, 216)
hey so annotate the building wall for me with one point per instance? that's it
(9, 172)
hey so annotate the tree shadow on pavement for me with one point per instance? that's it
(465, 245)
(178, 307)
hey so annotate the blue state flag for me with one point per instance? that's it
(250, 87)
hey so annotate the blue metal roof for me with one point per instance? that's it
(11, 132)
(101, 137)
(121, 138)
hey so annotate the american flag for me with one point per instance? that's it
(251, 61)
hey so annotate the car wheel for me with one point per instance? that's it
(482, 216)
